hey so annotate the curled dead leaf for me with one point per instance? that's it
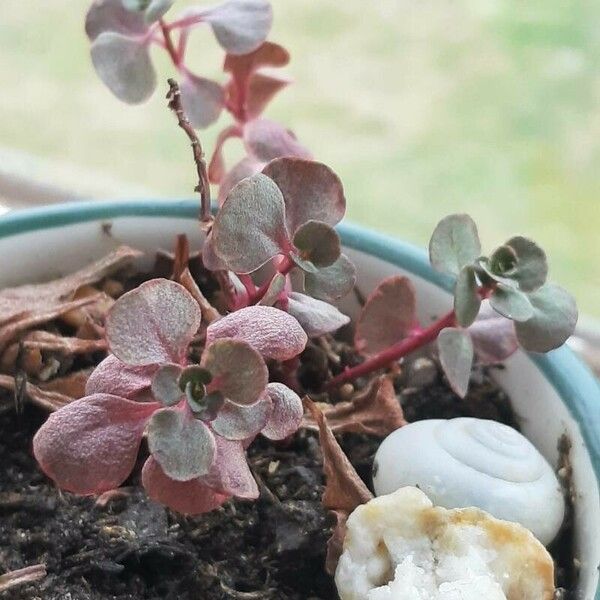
(344, 489)
(49, 400)
(375, 411)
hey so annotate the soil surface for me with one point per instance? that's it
(123, 546)
(129, 548)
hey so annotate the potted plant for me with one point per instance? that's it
(222, 348)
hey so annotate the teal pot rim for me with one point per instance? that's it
(573, 381)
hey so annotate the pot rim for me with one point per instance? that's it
(573, 381)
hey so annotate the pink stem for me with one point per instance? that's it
(286, 264)
(169, 45)
(416, 340)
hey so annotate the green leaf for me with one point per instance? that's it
(236, 422)
(511, 303)
(331, 283)
(531, 267)
(250, 228)
(238, 370)
(454, 244)
(165, 385)
(204, 407)
(184, 446)
(467, 300)
(318, 243)
(456, 357)
(123, 63)
(503, 261)
(553, 321)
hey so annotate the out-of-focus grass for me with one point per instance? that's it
(424, 108)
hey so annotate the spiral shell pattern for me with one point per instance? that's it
(473, 462)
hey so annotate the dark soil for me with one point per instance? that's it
(126, 547)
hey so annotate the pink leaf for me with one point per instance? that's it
(262, 327)
(114, 377)
(267, 140)
(186, 497)
(91, 445)
(250, 229)
(311, 191)
(247, 167)
(315, 316)
(153, 323)
(494, 336)
(202, 100)
(216, 168)
(287, 412)
(238, 371)
(243, 100)
(240, 26)
(230, 473)
(262, 88)
(111, 15)
(388, 315)
(239, 423)
(209, 259)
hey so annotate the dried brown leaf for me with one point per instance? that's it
(42, 297)
(52, 342)
(18, 577)
(71, 385)
(344, 489)
(46, 399)
(375, 411)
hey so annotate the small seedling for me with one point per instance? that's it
(519, 307)
(198, 417)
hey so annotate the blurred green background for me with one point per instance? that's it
(423, 108)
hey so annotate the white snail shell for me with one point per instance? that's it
(473, 462)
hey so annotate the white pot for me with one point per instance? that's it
(552, 394)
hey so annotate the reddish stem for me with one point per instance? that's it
(286, 264)
(169, 45)
(419, 338)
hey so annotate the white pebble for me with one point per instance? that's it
(401, 547)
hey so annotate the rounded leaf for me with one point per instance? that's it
(315, 316)
(331, 283)
(185, 497)
(111, 15)
(511, 303)
(247, 167)
(311, 191)
(90, 445)
(388, 315)
(287, 412)
(467, 300)
(240, 423)
(266, 140)
(202, 100)
(553, 321)
(454, 244)
(318, 243)
(114, 377)
(153, 323)
(494, 337)
(183, 446)
(230, 473)
(270, 331)
(123, 63)
(238, 370)
(456, 357)
(531, 267)
(250, 228)
(240, 26)
(165, 385)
